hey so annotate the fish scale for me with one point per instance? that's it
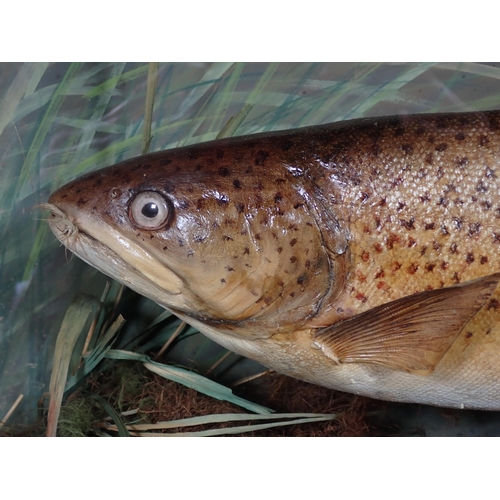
(360, 255)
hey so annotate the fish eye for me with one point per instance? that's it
(149, 210)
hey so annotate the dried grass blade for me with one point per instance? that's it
(80, 315)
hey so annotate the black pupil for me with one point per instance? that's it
(150, 210)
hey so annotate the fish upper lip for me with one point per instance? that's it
(89, 244)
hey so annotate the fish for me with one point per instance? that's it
(361, 255)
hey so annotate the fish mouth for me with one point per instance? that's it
(117, 257)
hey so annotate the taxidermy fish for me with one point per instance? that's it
(363, 256)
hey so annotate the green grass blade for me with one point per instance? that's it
(122, 429)
(189, 379)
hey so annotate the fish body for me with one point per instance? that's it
(362, 256)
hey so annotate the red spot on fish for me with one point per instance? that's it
(362, 297)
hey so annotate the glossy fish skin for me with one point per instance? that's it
(276, 244)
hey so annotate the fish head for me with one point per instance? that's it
(225, 233)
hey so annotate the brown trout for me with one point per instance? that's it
(363, 256)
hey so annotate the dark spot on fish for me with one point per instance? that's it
(362, 297)
(298, 205)
(222, 280)
(391, 240)
(365, 256)
(461, 162)
(455, 277)
(425, 198)
(199, 239)
(413, 268)
(301, 279)
(292, 295)
(279, 249)
(429, 226)
(240, 207)
(181, 243)
(293, 242)
(468, 335)
(190, 253)
(229, 269)
(364, 197)
(237, 183)
(243, 232)
(408, 224)
(219, 154)
(224, 172)
(454, 248)
(429, 159)
(459, 136)
(184, 204)
(94, 207)
(260, 157)
(444, 265)
(378, 247)
(470, 258)
(382, 202)
(411, 242)
(483, 140)
(481, 187)
(493, 304)
(408, 149)
(442, 147)
(458, 223)
(165, 248)
(483, 259)
(431, 138)
(81, 202)
(293, 259)
(429, 267)
(444, 230)
(474, 228)
(396, 182)
(443, 202)
(227, 238)
(401, 205)
(215, 225)
(436, 246)
(395, 266)
(380, 274)
(490, 173)
(279, 180)
(423, 250)
(151, 236)
(496, 237)
(199, 203)
(378, 223)
(198, 167)
(278, 198)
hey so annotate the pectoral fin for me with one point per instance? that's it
(410, 334)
